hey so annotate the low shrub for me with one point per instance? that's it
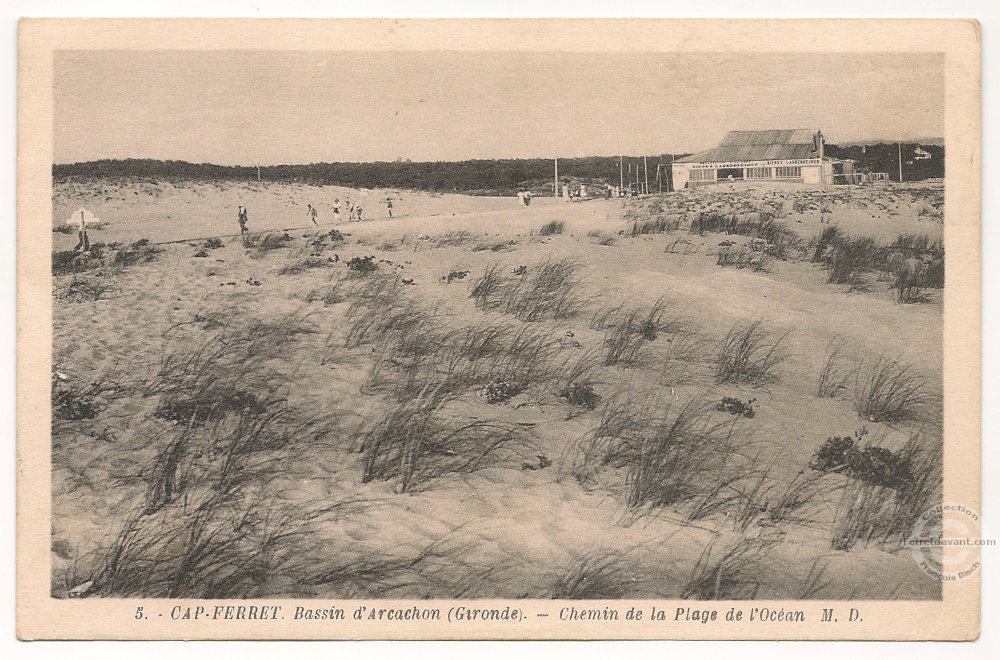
(623, 344)
(68, 262)
(918, 245)
(581, 394)
(875, 465)
(84, 289)
(687, 354)
(73, 401)
(578, 376)
(362, 265)
(500, 391)
(737, 408)
(912, 276)
(872, 511)
(140, 252)
(261, 244)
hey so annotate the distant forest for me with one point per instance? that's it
(484, 177)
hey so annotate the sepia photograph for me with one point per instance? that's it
(404, 326)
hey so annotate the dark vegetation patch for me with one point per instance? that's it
(889, 493)
(362, 265)
(736, 407)
(259, 245)
(552, 228)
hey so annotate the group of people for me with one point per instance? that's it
(354, 212)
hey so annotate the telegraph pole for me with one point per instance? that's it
(555, 187)
(645, 173)
(621, 174)
(899, 153)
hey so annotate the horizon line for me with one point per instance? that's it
(924, 140)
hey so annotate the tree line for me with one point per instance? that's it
(487, 177)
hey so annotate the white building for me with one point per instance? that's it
(783, 155)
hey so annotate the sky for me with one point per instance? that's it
(283, 107)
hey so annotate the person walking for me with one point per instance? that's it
(336, 210)
(312, 213)
(84, 244)
(388, 205)
(359, 211)
(241, 217)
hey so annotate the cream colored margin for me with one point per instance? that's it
(40, 617)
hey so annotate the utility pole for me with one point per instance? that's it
(645, 173)
(258, 173)
(899, 153)
(555, 183)
(621, 174)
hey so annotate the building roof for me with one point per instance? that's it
(759, 145)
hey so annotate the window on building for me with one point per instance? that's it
(789, 172)
(702, 175)
(759, 172)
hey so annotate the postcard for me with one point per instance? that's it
(498, 329)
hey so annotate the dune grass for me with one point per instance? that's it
(207, 520)
(595, 575)
(303, 265)
(887, 390)
(419, 440)
(546, 290)
(670, 454)
(629, 329)
(750, 354)
(835, 376)
(552, 228)
(732, 572)
(744, 257)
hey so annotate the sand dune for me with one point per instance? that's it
(517, 527)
